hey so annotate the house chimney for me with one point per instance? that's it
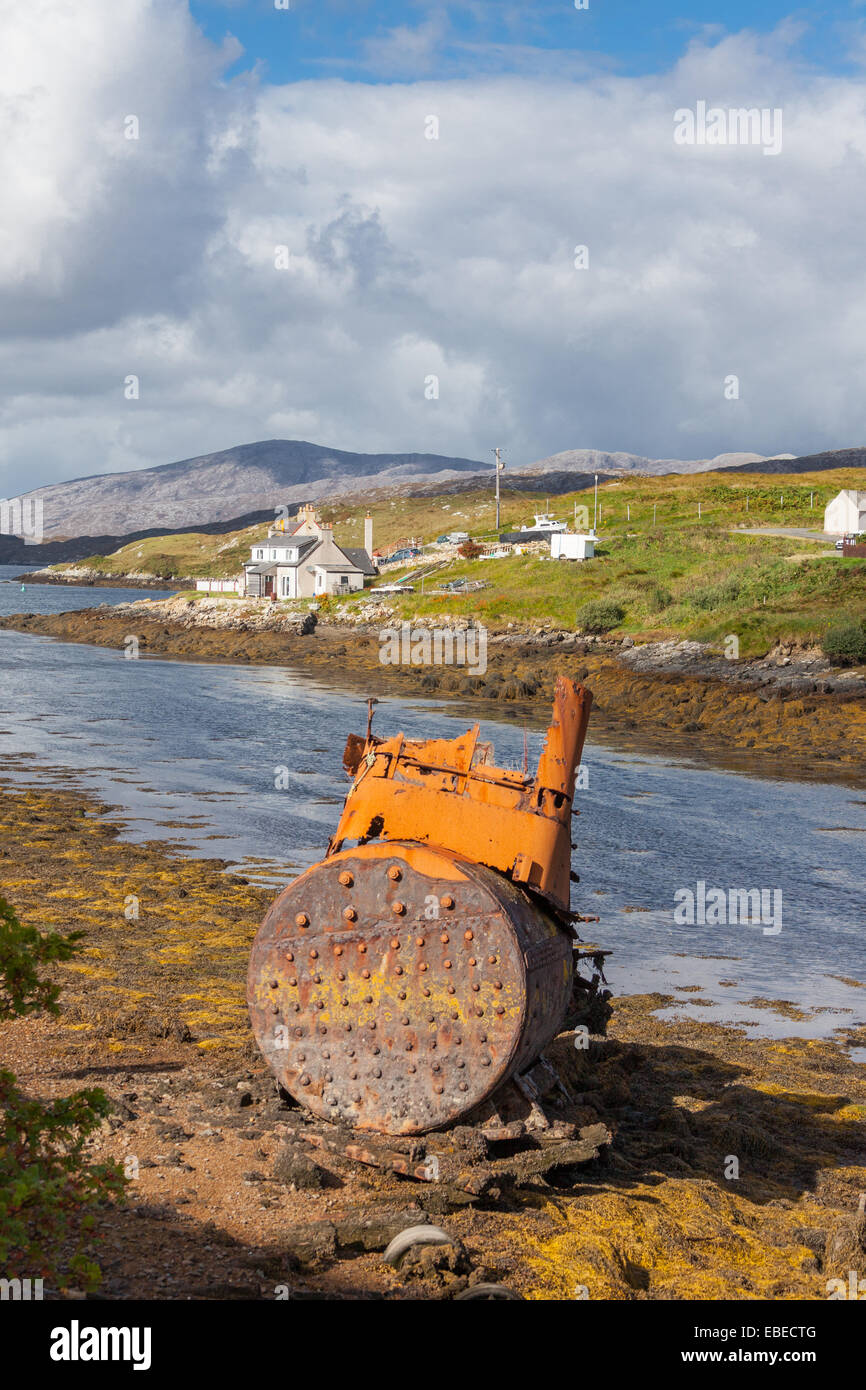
(368, 535)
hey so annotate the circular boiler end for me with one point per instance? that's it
(403, 1014)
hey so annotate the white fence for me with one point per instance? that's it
(219, 586)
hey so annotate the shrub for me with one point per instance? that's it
(470, 550)
(599, 615)
(715, 595)
(845, 642)
(47, 1187)
(658, 598)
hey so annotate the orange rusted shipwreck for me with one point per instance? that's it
(430, 956)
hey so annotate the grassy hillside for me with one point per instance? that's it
(671, 571)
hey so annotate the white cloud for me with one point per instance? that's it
(411, 257)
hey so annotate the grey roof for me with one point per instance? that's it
(361, 560)
(303, 546)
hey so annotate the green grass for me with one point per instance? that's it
(684, 576)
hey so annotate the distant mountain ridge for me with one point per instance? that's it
(255, 478)
(226, 484)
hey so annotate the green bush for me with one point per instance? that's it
(845, 642)
(658, 598)
(599, 615)
(47, 1187)
(715, 595)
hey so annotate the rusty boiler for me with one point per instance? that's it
(430, 956)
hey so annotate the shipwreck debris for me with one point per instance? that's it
(410, 981)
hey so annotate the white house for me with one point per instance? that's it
(846, 514)
(304, 562)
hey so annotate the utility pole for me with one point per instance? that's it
(499, 467)
(595, 508)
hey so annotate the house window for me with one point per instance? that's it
(260, 554)
(344, 579)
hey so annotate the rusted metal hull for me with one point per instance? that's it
(396, 985)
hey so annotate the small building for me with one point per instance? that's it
(846, 514)
(570, 545)
(304, 562)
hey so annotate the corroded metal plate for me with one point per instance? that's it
(392, 987)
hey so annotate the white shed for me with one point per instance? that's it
(569, 545)
(846, 514)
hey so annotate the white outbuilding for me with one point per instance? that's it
(568, 545)
(846, 514)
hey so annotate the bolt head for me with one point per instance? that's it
(346, 879)
(394, 873)
(301, 919)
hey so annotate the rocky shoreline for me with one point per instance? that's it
(221, 1206)
(83, 578)
(791, 709)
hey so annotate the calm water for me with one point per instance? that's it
(189, 752)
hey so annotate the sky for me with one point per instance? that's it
(428, 227)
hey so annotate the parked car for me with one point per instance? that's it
(409, 553)
(442, 540)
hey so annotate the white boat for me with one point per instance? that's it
(545, 522)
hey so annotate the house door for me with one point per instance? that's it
(269, 586)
